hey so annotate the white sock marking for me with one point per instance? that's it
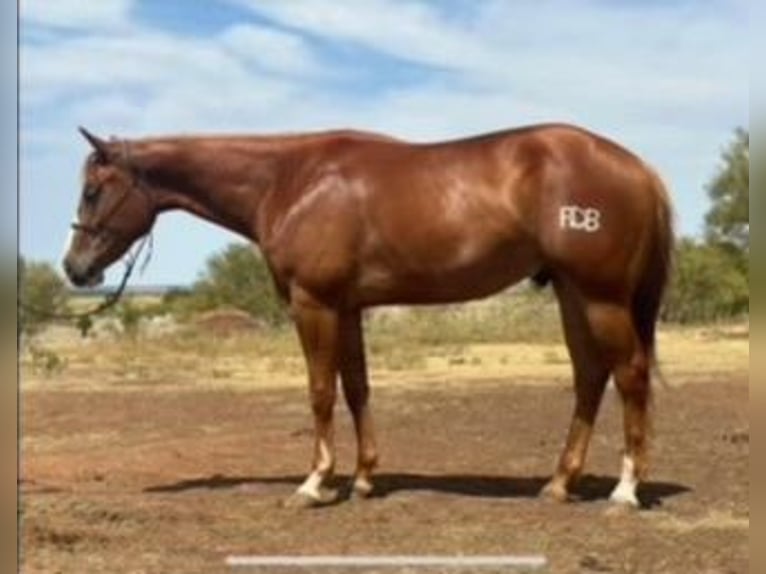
(310, 486)
(625, 491)
(313, 482)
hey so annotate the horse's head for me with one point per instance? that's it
(116, 208)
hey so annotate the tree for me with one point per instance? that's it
(43, 293)
(239, 277)
(728, 221)
(706, 285)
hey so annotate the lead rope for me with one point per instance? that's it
(111, 298)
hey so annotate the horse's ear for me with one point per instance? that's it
(100, 146)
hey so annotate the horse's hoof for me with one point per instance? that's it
(554, 492)
(623, 502)
(304, 500)
(361, 489)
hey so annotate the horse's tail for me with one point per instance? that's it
(655, 275)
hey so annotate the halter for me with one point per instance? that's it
(137, 184)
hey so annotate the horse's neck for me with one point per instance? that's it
(221, 180)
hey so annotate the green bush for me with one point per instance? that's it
(711, 279)
(707, 285)
(238, 277)
(43, 293)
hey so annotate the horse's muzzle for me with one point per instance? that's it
(82, 275)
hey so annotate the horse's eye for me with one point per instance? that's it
(91, 193)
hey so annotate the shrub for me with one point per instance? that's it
(706, 285)
(43, 293)
(238, 277)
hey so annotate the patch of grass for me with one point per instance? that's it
(519, 316)
(400, 359)
(44, 361)
(554, 357)
(713, 520)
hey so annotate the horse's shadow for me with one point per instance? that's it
(589, 488)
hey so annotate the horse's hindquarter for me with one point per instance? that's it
(597, 213)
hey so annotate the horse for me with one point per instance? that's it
(347, 220)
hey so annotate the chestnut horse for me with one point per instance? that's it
(347, 220)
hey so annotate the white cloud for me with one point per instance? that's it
(408, 30)
(620, 55)
(140, 60)
(272, 50)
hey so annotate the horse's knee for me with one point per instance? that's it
(322, 402)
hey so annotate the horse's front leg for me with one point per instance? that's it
(319, 332)
(353, 375)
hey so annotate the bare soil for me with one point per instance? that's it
(150, 480)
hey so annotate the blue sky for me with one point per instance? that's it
(667, 79)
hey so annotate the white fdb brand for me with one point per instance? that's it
(579, 218)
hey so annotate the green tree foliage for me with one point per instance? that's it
(706, 285)
(42, 291)
(711, 277)
(728, 221)
(239, 277)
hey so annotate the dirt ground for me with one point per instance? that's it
(148, 480)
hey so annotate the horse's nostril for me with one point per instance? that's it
(73, 272)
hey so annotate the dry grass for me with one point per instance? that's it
(713, 520)
(405, 347)
(81, 302)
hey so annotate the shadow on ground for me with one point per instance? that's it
(589, 488)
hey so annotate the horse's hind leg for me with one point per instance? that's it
(631, 376)
(616, 343)
(616, 334)
(353, 374)
(591, 373)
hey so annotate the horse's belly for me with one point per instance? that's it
(445, 280)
